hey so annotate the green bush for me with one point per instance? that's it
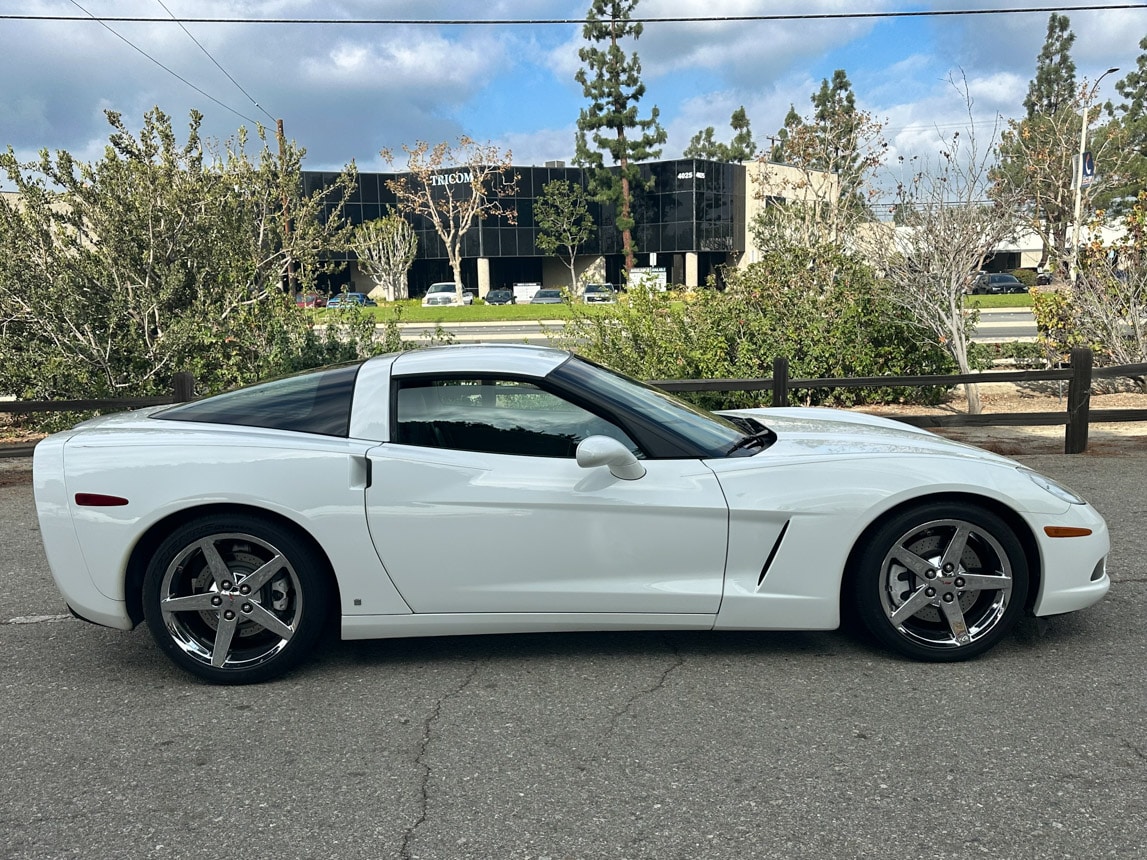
(824, 311)
(1027, 277)
(1057, 321)
(1024, 354)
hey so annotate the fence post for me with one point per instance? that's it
(182, 387)
(780, 382)
(1078, 402)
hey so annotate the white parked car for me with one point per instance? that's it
(446, 294)
(570, 498)
(599, 294)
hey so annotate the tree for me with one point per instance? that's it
(779, 152)
(1129, 120)
(1035, 164)
(563, 221)
(452, 188)
(741, 148)
(944, 236)
(1107, 309)
(610, 124)
(843, 324)
(838, 140)
(161, 257)
(385, 249)
(1053, 87)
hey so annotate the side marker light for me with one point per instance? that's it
(1065, 531)
(99, 500)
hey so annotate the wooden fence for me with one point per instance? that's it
(1076, 419)
(182, 390)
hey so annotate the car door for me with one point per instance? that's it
(478, 505)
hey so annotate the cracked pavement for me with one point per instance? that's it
(642, 745)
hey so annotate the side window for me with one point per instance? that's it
(496, 416)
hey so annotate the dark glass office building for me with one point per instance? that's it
(688, 213)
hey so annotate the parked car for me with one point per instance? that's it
(500, 297)
(310, 300)
(445, 294)
(361, 299)
(237, 526)
(547, 297)
(997, 283)
(599, 294)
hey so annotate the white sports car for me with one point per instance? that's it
(490, 489)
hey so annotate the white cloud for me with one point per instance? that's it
(344, 92)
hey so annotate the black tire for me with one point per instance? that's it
(235, 599)
(941, 582)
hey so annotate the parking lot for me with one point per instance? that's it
(645, 745)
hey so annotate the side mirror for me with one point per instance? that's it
(596, 451)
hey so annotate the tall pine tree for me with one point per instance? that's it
(1053, 87)
(741, 148)
(610, 125)
(837, 140)
(1129, 129)
(838, 133)
(1036, 152)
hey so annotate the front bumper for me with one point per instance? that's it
(1075, 568)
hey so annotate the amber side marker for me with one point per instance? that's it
(1065, 531)
(99, 500)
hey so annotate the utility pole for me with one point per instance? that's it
(291, 280)
(1087, 97)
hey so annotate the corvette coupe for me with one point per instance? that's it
(492, 489)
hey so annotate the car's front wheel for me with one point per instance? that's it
(941, 582)
(235, 599)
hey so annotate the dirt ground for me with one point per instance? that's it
(1008, 398)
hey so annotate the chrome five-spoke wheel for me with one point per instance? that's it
(942, 582)
(234, 600)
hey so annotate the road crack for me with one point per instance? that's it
(38, 619)
(419, 761)
(678, 662)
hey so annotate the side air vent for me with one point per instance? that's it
(1100, 570)
(773, 553)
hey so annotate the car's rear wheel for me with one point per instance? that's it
(235, 599)
(941, 582)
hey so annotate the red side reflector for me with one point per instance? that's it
(99, 500)
(1065, 531)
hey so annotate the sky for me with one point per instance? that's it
(345, 91)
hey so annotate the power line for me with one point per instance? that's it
(216, 62)
(174, 74)
(680, 19)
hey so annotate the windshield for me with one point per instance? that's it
(710, 435)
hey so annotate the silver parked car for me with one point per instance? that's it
(547, 297)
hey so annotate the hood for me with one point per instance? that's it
(833, 431)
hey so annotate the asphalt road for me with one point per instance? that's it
(1005, 325)
(778, 745)
(1008, 324)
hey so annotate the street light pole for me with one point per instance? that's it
(1079, 174)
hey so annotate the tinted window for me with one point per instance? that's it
(317, 402)
(708, 434)
(496, 416)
